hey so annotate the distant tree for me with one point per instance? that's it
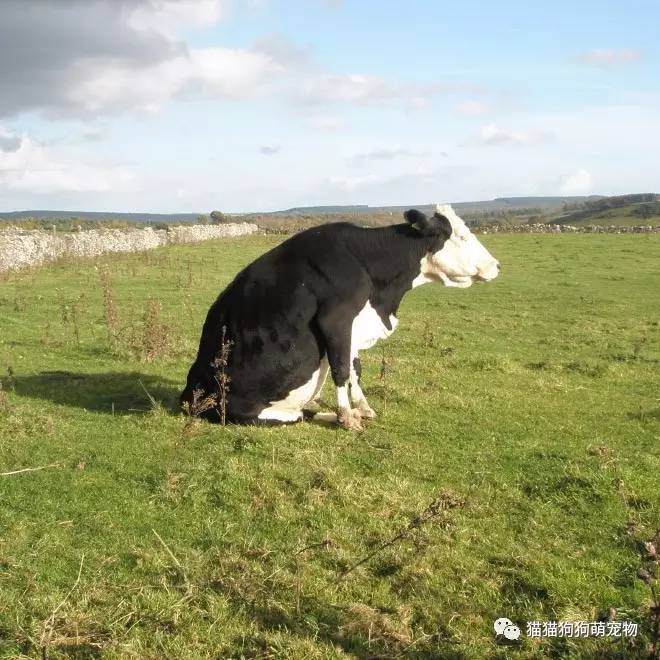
(644, 211)
(218, 217)
(202, 219)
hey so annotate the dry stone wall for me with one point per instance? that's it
(567, 229)
(22, 248)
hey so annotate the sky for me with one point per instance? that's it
(255, 105)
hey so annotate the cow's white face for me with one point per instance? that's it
(462, 260)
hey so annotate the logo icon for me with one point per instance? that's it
(506, 627)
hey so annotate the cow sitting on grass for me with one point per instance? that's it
(310, 305)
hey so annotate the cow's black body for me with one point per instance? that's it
(295, 304)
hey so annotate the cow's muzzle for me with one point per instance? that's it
(488, 273)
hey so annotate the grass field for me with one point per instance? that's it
(527, 409)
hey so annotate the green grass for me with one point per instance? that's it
(535, 399)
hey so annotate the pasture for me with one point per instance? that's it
(513, 469)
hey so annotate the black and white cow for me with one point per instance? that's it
(313, 302)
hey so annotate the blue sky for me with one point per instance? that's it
(243, 105)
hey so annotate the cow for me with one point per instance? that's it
(311, 304)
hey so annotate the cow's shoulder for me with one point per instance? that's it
(326, 254)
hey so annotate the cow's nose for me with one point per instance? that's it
(499, 267)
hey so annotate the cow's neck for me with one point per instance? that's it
(392, 257)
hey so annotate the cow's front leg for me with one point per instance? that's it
(336, 329)
(357, 395)
(349, 418)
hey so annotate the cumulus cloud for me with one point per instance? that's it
(473, 108)
(324, 88)
(167, 16)
(282, 50)
(492, 135)
(212, 72)
(579, 182)
(101, 56)
(328, 88)
(38, 168)
(326, 122)
(609, 58)
(9, 141)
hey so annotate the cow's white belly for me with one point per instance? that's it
(368, 328)
(289, 409)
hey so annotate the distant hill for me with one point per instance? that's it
(498, 204)
(304, 210)
(169, 218)
(623, 210)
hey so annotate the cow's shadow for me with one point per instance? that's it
(122, 393)
(118, 393)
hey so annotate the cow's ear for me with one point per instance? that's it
(441, 224)
(418, 220)
(436, 225)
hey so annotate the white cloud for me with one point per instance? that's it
(326, 122)
(328, 88)
(281, 50)
(213, 72)
(38, 169)
(416, 103)
(107, 58)
(579, 182)
(609, 58)
(492, 135)
(168, 16)
(232, 72)
(98, 57)
(473, 108)
(322, 88)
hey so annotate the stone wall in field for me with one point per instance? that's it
(567, 229)
(21, 248)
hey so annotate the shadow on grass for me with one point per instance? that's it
(119, 393)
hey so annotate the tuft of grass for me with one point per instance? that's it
(155, 339)
(110, 313)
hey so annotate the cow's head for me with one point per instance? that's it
(460, 258)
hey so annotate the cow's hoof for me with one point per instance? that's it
(366, 411)
(351, 419)
(311, 408)
(325, 418)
